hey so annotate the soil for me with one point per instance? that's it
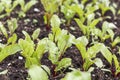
(15, 65)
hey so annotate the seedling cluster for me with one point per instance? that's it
(86, 15)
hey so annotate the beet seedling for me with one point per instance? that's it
(87, 29)
(106, 32)
(8, 6)
(51, 7)
(115, 41)
(25, 6)
(59, 41)
(38, 73)
(87, 54)
(12, 26)
(66, 8)
(33, 53)
(77, 75)
(3, 30)
(7, 50)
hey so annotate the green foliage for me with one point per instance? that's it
(9, 50)
(88, 54)
(66, 8)
(12, 25)
(105, 52)
(57, 49)
(59, 41)
(8, 6)
(25, 6)
(55, 21)
(36, 34)
(64, 63)
(30, 52)
(12, 39)
(38, 73)
(116, 41)
(87, 29)
(116, 62)
(50, 6)
(77, 75)
(3, 30)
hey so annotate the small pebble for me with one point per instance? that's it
(36, 10)
(20, 57)
(93, 75)
(9, 64)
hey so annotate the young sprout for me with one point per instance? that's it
(3, 30)
(33, 53)
(88, 54)
(51, 7)
(8, 6)
(59, 41)
(12, 25)
(25, 6)
(77, 75)
(66, 8)
(39, 72)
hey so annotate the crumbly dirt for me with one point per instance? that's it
(16, 66)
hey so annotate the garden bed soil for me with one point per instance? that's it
(15, 65)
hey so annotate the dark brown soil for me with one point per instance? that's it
(15, 66)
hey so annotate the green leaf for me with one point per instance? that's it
(2, 46)
(15, 3)
(77, 75)
(98, 62)
(12, 25)
(116, 41)
(90, 17)
(62, 43)
(40, 49)
(22, 3)
(3, 30)
(84, 1)
(94, 22)
(81, 25)
(105, 52)
(30, 61)
(116, 62)
(37, 73)
(81, 43)
(12, 39)
(53, 52)
(82, 40)
(27, 47)
(111, 33)
(9, 50)
(82, 50)
(50, 6)
(87, 64)
(68, 12)
(64, 63)
(1, 7)
(36, 34)
(79, 10)
(93, 50)
(55, 21)
(27, 37)
(29, 5)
